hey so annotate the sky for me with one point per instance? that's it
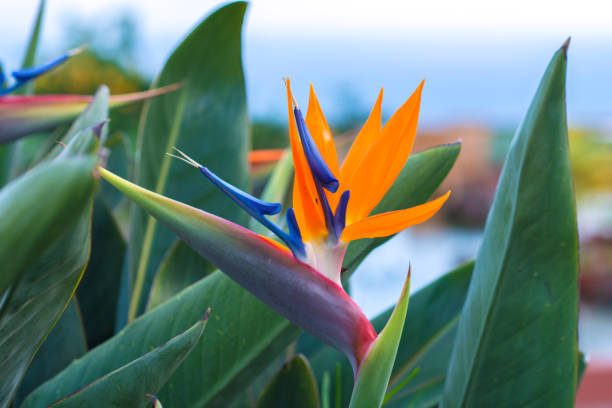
(481, 60)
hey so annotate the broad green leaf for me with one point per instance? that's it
(207, 118)
(426, 344)
(375, 370)
(47, 218)
(66, 342)
(36, 301)
(293, 386)
(177, 271)
(128, 386)
(46, 200)
(99, 287)
(517, 336)
(418, 180)
(238, 344)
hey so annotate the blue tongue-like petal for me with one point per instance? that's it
(319, 169)
(257, 209)
(27, 74)
(254, 206)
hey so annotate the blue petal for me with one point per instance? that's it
(250, 204)
(257, 209)
(27, 74)
(321, 173)
(340, 215)
(294, 229)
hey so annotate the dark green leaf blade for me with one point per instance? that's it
(239, 343)
(46, 215)
(65, 343)
(34, 207)
(177, 271)
(99, 288)
(206, 118)
(128, 386)
(517, 335)
(38, 299)
(293, 386)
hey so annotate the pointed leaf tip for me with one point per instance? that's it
(206, 315)
(565, 45)
(375, 369)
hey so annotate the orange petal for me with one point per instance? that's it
(384, 159)
(307, 212)
(368, 133)
(319, 130)
(383, 225)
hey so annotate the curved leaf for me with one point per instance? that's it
(238, 344)
(177, 271)
(375, 370)
(128, 386)
(66, 342)
(517, 335)
(46, 219)
(99, 288)
(293, 386)
(207, 117)
(35, 302)
(49, 198)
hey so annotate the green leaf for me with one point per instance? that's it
(128, 386)
(47, 199)
(242, 337)
(35, 302)
(517, 336)
(99, 288)
(375, 370)
(46, 215)
(177, 271)
(421, 176)
(426, 344)
(65, 343)
(207, 118)
(293, 386)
